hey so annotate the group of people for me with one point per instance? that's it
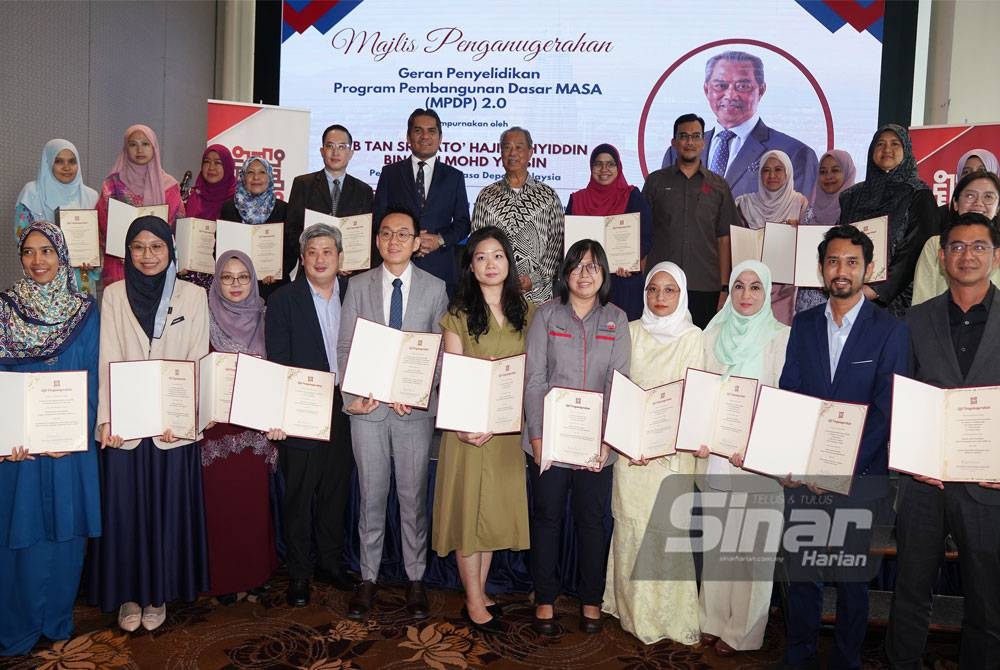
(167, 519)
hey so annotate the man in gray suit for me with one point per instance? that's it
(395, 437)
(955, 342)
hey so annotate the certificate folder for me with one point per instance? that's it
(356, 237)
(196, 245)
(391, 365)
(120, 217)
(571, 427)
(481, 396)
(216, 377)
(642, 423)
(262, 242)
(148, 397)
(44, 411)
(618, 234)
(716, 412)
(79, 227)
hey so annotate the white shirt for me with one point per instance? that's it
(836, 336)
(328, 313)
(735, 143)
(387, 278)
(428, 171)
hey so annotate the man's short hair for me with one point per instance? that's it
(688, 118)
(402, 209)
(737, 57)
(970, 219)
(423, 112)
(518, 129)
(339, 127)
(320, 230)
(848, 232)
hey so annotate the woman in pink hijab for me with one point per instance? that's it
(137, 178)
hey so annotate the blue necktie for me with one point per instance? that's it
(396, 305)
(720, 161)
(421, 191)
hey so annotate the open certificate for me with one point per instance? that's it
(79, 227)
(148, 397)
(196, 245)
(481, 396)
(267, 395)
(262, 242)
(948, 434)
(571, 427)
(618, 234)
(216, 376)
(355, 234)
(642, 423)
(814, 440)
(391, 365)
(120, 217)
(807, 272)
(43, 411)
(716, 413)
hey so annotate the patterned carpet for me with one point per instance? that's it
(264, 633)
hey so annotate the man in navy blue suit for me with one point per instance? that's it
(845, 350)
(434, 191)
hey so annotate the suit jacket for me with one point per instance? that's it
(425, 305)
(310, 191)
(741, 173)
(933, 359)
(877, 347)
(445, 213)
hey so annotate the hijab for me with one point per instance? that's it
(764, 205)
(44, 195)
(826, 206)
(149, 180)
(884, 192)
(599, 200)
(38, 320)
(236, 326)
(149, 296)
(255, 208)
(741, 338)
(988, 158)
(666, 329)
(206, 200)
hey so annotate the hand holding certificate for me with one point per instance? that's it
(262, 242)
(481, 396)
(571, 428)
(137, 413)
(195, 245)
(120, 217)
(79, 227)
(43, 411)
(642, 423)
(356, 236)
(393, 366)
(716, 413)
(618, 234)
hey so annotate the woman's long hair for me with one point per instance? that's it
(468, 296)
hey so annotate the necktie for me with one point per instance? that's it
(720, 161)
(421, 192)
(396, 305)
(334, 196)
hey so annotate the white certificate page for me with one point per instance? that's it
(308, 403)
(196, 245)
(480, 396)
(779, 251)
(745, 244)
(571, 427)
(216, 376)
(356, 236)
(258, 400)
(57, 411)
(148, 397)
(79, 227)
(120, 217)
(391, 365)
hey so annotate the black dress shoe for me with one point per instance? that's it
(338, 579)
(545, 626)
(227, 599)
(492, 626)
(362, 601)
(298, 592)
(590, 626)
(495, 610)
(416, 600)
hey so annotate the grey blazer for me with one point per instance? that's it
(425, 305)
(933, 360)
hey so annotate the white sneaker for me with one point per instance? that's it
(129, 616)
(153, 617)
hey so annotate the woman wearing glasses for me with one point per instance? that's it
(237, 462)
(577, 340)
(977, 192)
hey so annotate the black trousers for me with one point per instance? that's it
(703, 305)
(317, 486)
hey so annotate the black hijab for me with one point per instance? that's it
(146, 293)
(882, 192)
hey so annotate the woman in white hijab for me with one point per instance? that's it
(663, 601)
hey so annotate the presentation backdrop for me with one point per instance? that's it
(575, 73)
(938, 149)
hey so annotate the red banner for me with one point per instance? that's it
(938, 149)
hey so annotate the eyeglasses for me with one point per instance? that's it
(694, 137)
(401, 235)
(970, 197)
(669, 291)
(336, 146)
(977, 248)
(588, 268)
(241, 279)
(739, 87)
(156, 248)
(610, 165)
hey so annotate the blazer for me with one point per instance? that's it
(310, 191)
(933, 359)
(742, 171)
(877, 347)
(425, 305)
(445, 213)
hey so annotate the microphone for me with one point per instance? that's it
(186, 186)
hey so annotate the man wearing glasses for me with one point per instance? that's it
(734, 85)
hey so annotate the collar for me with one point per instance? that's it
(528, 183)
(849, 318)
(985, 304)
(330, 176)
(741, 130)
(314, 292)
(407, 275)
(429, 162)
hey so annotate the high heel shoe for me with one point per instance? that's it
(492, 626)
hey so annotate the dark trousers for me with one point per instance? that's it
(924, 518)
(703, 305)
(591, 494)
(317, 486)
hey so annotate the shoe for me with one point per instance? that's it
(722, 649)
(416, 600)
(495, 610)
(545, 626)
(338, 579)
(492, 626)
(227, 599)
(590, 626)
(362, 601)
(153, 617)
(298, 593)
(709, 640)
(129, 617)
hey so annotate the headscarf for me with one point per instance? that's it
(149, 180)
(826, 206)
(236, 326)
(880, 192)
(988, 158)
(255, 208)
(37, 320)
(149, 296)
(666, 329)
(742, 338)
(764, 205)
(598, 200)
(44, 195)
(206, 200)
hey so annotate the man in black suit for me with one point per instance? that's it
(435, 192)
(301, 328)
(955, 342)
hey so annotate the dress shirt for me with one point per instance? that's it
(330, 177)
(967, 329)
(328, 313)
(428, 171)
(836, 336)
(387, 278)
(735, 143)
